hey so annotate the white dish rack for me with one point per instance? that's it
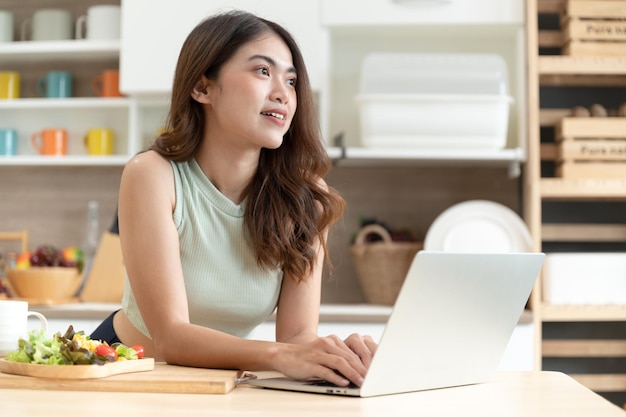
(434, 101)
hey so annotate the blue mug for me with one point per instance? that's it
(56, 84)
(8, 142)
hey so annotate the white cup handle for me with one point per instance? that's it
(42, 320)
(25, 23)
(80, 22)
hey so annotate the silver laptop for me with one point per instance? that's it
(449, 327)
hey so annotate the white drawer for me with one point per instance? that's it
(426, 12)
(152, 36)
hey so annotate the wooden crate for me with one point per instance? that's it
(587, 170)
(590, 48)
(591, 128)
(591, 147)
(594, 28)
(595, 9)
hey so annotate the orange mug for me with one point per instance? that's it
(107, 84)
(50, 142)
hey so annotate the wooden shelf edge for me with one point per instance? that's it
(581, 65)
(583, 348)
(71, 160)
(582, 189)
(581, 313)
(64, 103)
(602, 382)
(583, 232)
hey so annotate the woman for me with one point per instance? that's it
(225, 218)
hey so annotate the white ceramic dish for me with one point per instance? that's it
(434, 121)
(478, 226)
(434, 101)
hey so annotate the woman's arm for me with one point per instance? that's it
(297, 322)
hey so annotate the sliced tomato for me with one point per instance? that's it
(140, 351)
(106, 352)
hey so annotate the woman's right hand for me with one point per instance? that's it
(327, 358)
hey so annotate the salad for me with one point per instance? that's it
(71, 348)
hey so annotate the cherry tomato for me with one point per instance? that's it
(140, 351)
(106, 352)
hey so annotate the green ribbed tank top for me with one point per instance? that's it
(226, 289)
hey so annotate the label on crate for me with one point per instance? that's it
(597, 150)
(595, 30)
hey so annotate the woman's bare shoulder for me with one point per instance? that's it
(146, 165)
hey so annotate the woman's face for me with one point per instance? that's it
(253, 101)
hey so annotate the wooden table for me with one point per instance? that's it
(527, 394)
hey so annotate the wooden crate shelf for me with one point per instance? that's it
(592, 54)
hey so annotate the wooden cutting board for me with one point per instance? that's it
(76, 371)
(164, 379)
(105, 279)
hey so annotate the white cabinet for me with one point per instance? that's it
(154, 34)
(357, 28)
(427, 12)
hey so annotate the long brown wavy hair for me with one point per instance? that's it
(288, 209)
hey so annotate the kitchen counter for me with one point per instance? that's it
(529, 394)
(329, 313)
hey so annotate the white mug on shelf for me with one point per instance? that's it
(48, 25)
(14, 324)
(100, 22)
(6, 26)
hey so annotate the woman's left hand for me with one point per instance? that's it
(363, 346)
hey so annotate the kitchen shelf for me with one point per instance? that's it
(38, 51)
(67, 160)
(570, 313)
(64, 103)
(356, 156)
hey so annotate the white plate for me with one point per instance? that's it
(478, 226)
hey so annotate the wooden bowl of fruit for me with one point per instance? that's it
(46, 275)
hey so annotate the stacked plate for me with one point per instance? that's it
(478, 226)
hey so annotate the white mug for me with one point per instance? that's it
(48, 25)
(6, 26)
(14, 324)
(100, 22)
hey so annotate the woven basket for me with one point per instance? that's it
(381, 266)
